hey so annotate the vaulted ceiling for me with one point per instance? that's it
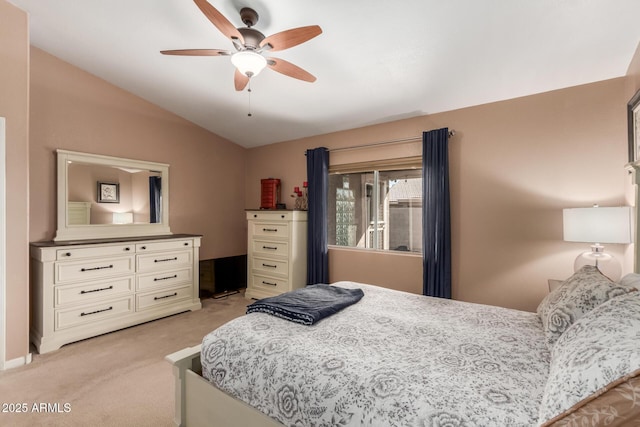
(376, 60)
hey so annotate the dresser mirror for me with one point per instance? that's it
(110, 197)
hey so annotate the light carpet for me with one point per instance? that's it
(116, 379)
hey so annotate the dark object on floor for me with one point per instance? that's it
(221, 277)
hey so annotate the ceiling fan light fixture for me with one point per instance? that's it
(248, 62)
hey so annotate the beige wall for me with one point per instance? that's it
(513, 166)
(74, 110)
(14, 105)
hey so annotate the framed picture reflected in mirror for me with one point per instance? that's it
(108, 192)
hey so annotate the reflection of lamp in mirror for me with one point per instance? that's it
(598, 225)
(123, 217)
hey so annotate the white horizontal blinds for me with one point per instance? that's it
(414, 162)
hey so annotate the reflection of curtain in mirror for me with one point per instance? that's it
(155, 199)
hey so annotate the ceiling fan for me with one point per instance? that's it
(250, 44)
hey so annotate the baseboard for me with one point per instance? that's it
(15, 363)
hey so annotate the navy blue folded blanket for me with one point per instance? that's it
(307, 305)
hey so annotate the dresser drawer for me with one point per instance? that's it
(68, 318)
(163, 297)
(264, 247)
(269, 284)
(92, 269)
(270, 267)
(88, 292)
(93, 252)
(270, 215)
(151, 281)
(164, 260)
(266, 229)
(163, 245)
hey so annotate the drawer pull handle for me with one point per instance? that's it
(175, 276)
(175, 294)
(97, 268)
(96, 290)
(143, 247)
(270, 229)
(166, 259)
(269, 265)
(269, 283)
(273, 248)
(127, 249)
(95, 312)
(67, 254)
(186, 243)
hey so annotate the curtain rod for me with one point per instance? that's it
(395, 141)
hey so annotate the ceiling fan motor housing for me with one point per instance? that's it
(252, 38)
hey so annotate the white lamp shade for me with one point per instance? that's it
(248, 63)
(598, 224)
(123, 217)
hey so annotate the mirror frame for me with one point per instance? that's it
(68, 232)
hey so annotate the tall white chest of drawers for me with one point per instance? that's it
(90, 288)
(276, 252)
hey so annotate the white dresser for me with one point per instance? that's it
(89, 288)
(276, 252)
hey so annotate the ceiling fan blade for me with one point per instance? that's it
(290, 38)
(219, 20)
(240, 80)
(288, 69)
(196, 52)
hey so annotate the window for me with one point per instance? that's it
(376, 209)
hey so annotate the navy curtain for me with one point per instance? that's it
(318, 187)
(436, 218)
(155, 199)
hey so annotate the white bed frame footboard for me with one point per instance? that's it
(199, 403)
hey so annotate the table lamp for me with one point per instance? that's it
(598, 225)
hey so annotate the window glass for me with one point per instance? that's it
(376, 210)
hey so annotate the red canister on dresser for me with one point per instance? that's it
(270, 194)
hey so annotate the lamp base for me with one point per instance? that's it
(607, 264)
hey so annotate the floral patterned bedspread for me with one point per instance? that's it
(392, 359)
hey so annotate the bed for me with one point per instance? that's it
(399, 359)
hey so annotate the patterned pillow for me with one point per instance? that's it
(595, 359)
(579, 294)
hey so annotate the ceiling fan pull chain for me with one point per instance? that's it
(249, 90)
